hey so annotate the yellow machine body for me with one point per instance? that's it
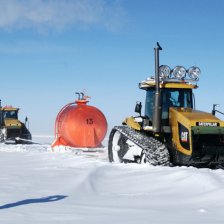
(193, 137)
(11, 128)
(195, 122)
(170, 130)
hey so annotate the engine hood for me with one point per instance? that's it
(12, 123)
(193, 127)
(189, 117)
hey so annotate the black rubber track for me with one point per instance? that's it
(156, 153)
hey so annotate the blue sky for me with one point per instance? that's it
(50, 49)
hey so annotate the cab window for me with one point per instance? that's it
(11, 114)
(175, 98)
(149, 103)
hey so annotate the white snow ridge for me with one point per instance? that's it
(39, 185)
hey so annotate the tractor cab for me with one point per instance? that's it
(172, 95)
(8, 113)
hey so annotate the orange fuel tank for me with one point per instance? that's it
(80, 125)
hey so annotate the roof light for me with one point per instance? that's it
(164, 71)
(194, 73)
(179, 72)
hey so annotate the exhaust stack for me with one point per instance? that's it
(157, 103)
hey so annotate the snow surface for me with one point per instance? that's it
(39, 185)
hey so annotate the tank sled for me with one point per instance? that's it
(79, 125)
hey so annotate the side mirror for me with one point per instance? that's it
(214, 109)
(27, 123)
(138, 107)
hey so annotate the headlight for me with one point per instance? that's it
(164, 71)
(194, 73)
(179, 72)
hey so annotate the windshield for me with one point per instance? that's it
(175, 98)
(169, 98)
(11, 114)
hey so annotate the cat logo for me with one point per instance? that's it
(184, 136)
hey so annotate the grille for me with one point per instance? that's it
(13, 133)
(208, 147)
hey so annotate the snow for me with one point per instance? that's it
(39, 185)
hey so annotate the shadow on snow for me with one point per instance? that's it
(31, 201)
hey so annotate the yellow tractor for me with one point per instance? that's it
(171, 131)
(11, 129)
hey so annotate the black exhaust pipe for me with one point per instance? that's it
(157, 104)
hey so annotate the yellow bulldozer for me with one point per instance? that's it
(171, 131)
(12, 130)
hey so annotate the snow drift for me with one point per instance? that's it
(70, 186)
